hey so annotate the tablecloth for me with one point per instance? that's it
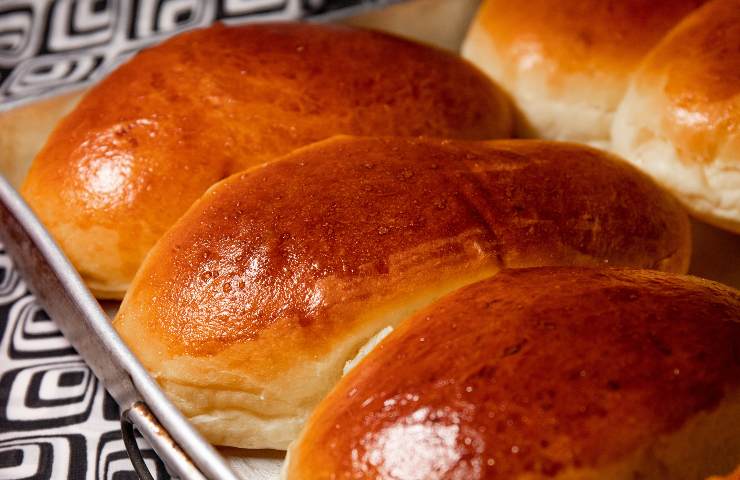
(56, 420)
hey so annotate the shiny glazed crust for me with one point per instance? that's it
(680, 119)
(250, 305)
(567, 64)
(153, 136)
(543, 373)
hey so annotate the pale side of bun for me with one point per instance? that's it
(567, 64)
(248, 309)
(159, 131)
(680, 119)
(24, 129)
(543, 373)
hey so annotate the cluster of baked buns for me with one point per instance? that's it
(327, 245)
(657, 81)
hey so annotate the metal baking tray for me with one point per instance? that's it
(84, 322)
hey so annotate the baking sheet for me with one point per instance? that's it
(443, 23)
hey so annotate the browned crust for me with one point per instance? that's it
(154, 135)
(535, 372)
(283, 260)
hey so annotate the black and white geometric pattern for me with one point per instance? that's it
(56, 420)
(53, 45)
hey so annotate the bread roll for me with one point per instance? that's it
(680, 119)
(248, 308)
(154, 135)
(558, 373)
(567, 64)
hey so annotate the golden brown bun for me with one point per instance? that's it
(543, 373)
(153, 136)
(680, 119)
(248, 308)
(567, 63)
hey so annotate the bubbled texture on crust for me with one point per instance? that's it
(154, 135)
(276, 276)
(539, 373)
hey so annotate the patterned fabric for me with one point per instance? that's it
(56, 420)
(50, 45)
